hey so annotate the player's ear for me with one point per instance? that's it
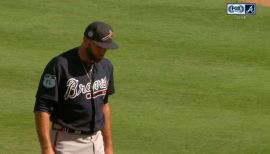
(86, 41)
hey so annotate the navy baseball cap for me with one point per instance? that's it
(101, 34)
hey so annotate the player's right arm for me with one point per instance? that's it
(46, 98)
(43, 130)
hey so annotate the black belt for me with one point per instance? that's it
(60, 128)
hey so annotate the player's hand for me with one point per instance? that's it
(48, 151)
(108, 150)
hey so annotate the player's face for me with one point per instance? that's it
(98, 51)
(95, 52)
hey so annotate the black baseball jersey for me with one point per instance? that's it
(74, 92)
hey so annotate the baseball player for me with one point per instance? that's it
(71, 110)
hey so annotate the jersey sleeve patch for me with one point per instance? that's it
(49, 80)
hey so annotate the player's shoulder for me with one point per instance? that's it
(64, 58)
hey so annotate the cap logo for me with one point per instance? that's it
(90, 34)
(109, 36)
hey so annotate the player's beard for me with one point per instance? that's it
(90, 55)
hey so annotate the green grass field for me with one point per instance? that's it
(189, 78)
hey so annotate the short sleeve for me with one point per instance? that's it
(48, 85)
(43, 105)
(111, 89)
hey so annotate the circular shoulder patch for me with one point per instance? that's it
(49, 80)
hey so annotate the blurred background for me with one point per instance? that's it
(189, 78)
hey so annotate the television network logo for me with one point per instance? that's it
(241, 8)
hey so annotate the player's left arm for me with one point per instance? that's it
(107, 130)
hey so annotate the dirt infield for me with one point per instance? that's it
(260, 2)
